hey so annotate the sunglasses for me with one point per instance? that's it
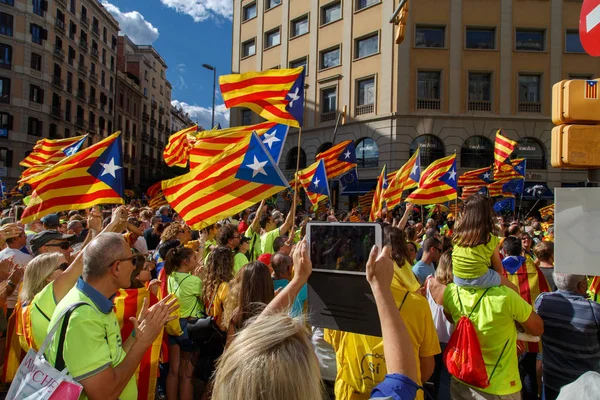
(62, 245)
(63, 266)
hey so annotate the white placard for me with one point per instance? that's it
(577, 231)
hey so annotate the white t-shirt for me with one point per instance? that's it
(19, 258)
(141, 246)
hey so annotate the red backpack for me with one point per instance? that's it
(463, 356)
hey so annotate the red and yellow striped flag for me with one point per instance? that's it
(176, 152)
(594, 288)
(476, 177)
(49, 151)
(516, 169)
(365, 201)
(530, 281)
(128, 303)
(209, 144)
(241, 176)
(276, 94)
(548, 210)
(402, 180)
(156, 198)
(87, 178)
(469, 191)
(13, 353)
(376, 205)
(339, 159)
(503, 148)
(437, 184)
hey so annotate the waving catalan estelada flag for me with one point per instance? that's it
(176, 152)
(315, 183)
(469, 191)
(365, 201)
(128, 303)
(156, 198)
(516, 169)
(238, 178)
(382, 185)
(405, 178)
(92, 176)
(503, 148)
(339, 159)
(548, 210)
(476, 177)
(48, 152)
(212, 143)
(277, 95)
(437, 184)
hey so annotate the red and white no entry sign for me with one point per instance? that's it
(589, 27)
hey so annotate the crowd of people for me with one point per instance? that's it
(220, 313)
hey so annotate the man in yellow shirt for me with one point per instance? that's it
(360, 361)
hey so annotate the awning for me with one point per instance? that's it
(537, 190)
(359, 188)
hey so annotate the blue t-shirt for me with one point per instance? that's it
(422, 270)
(395, 387)
(298, 306)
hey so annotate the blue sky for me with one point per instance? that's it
(187, 34)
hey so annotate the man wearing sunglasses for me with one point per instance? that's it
(13, 249)
(52, 242)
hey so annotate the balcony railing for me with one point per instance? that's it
(96, 30)
(428, 104)
(145, 117)
(81, 94)
(161, 144)
(133, 161)
(154, 104)
(59, 53)
(85, 20)
(161, 127)
(62, 2)
(69, 87)
(145, 137)
(134, 136)
(161, 110)
(127, 136)
(82, 69)
(328, 116)
(94, 77)
(93, 102)
(59, 25)
(126, 157)
(80, 123)
(530, 107)
(153, 122)
(56, 81)
(95, 53)
(364, 109)
(480, 105)
(152, 141)
(57, 112)
(83, 44)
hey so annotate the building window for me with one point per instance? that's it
(586, 77)
(427, 36)
(36, 94)
(34, 127)
(38, 34)
(360, 4)
(249, 48)
(272, 38)
(430, 147)
(477, 152)
(328, 104)
(366, 46)
(527, 40)
(480, 84)
(529, 94)
(272, 3)
(365, 96)
(330, 58)
(5, 124)
(428, 90)
(246, 117)
(480, 38)
(301, 62)
(249, 12)
(4, 90)
(299, 26)
(6, 157)
(573, 43)
(292, 158)
(38, 7)
(5, 56)
(532, 150)
(36, 62)
(331, 12)
(6, 24)
(367, 153)
(8, 2)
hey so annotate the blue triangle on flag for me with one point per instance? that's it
(318, 182)
(75, 147)
(2, 190)
(385, 184)
(349, 154)
(108, 167)
(217, 127)
(274, 140)
(486, 176)
(415, 173)
(521, 167)
(449, 178)
(591, 83)
(258, 166)
(296, 99)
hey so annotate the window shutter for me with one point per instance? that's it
(30, 126)
(44, 34)
(45, 5)
(10, 121)
(31, 28)
(41, 96)
(9, 158)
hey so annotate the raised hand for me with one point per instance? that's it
(380, 268)
(302, 262)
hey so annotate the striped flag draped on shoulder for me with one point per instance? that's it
(276, 95)
(177, 150)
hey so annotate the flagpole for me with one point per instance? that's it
(296, 181)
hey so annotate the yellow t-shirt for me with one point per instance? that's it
(359, 358)
(494, 321)
(218, 306)
(473, 262)
(406, 278)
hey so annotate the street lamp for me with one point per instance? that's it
(214, 70)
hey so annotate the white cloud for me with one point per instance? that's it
(204, 114)
(133, 24)
(180, 67)
(201, 10)
(181, 83)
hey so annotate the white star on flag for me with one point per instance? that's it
(452, 175)
(415, 168)
(257, 167)
(486, 175)
(270, 138)
(110, 168)
(347, 154)
(519, 167)
(293, 97)
(316, 182)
